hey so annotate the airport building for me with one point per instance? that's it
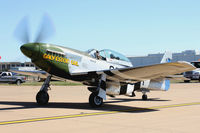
(5, 66)
(188, 55)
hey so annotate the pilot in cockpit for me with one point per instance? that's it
(98, 56)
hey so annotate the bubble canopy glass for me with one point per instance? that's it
(109, 54)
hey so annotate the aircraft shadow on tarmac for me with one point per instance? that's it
(118, 100)
(108, 106)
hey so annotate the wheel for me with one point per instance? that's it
(95, 101)
(144, 97)
(42, 97)
(18, 82)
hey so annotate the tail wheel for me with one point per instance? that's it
(95, 100)
(42, 97)
(144, 97)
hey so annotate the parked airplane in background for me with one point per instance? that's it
(106, 72)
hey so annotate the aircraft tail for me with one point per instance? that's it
(167, 57)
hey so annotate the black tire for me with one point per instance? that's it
(95, 101)
(42, 98)
(18, 82)
(144, 97)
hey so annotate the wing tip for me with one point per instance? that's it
(189, 65)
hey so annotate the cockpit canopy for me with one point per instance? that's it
(109, 56)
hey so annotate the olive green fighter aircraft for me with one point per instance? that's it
(105, 72)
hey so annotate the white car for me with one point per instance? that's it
(193, 75)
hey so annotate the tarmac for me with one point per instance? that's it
(174, 111)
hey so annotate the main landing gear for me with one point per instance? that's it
(42, 96)
(95, 100)
(99, 93)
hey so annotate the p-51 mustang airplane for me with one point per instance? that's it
(105, 72)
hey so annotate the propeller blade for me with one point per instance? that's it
(22, 31)
(46, 29)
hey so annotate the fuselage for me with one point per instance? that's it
(66, 62)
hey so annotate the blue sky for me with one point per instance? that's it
(131, 27)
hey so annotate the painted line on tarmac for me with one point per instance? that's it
(95, 114)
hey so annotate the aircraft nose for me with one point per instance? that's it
(30, 50)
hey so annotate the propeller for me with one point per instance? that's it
(22, 32)
(45, 31)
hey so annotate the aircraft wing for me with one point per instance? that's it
(36, 73)
(136, 74)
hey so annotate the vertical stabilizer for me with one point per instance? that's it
(167, 57)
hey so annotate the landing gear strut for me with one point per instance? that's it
(96, 97)
(42, 96)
